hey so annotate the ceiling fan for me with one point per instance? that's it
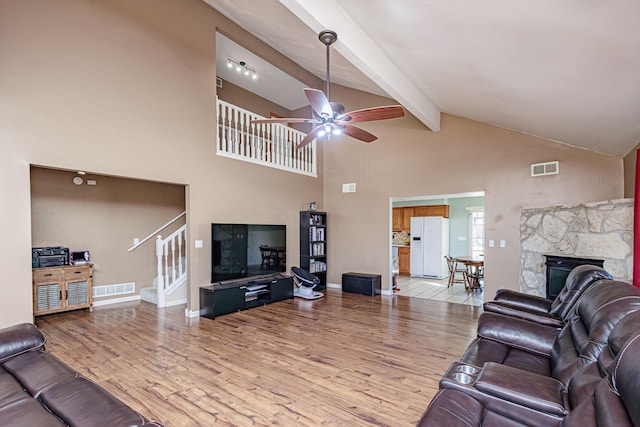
(330, 117)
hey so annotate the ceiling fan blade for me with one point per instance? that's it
(310, 137)
(358, 133)
(371, 114)
(285, 120)
(319, 102)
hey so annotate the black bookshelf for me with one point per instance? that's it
(313, 245)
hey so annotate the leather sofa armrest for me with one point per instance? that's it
(519, 333)
(524, 388)
(18, 339)
(520, 299)
(523, 313)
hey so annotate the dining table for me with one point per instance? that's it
(475, 270)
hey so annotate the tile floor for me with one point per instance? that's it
(435, 289)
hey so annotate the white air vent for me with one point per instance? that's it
(349, 188)
(117, 289)
(218, 81)
(549, 168)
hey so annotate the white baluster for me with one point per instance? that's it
(254, 141)
(180, 239)
(225, 128)
(277, 142)
(160, 278)
(173, 260)
(241, 136)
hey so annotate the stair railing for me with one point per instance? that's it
(267, 144)
(154, 233)
(171, 266)
(172, 271)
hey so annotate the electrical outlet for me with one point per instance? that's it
(136, 240)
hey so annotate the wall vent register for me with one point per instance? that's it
(541, 169)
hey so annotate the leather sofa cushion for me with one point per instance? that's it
(517, 333)
(82, 403)
(540, 317)
(524, 388)
(482, 350)
(517, 299)
(28, 412)
(18, 339)
(38, 370)
(454, 408)
(580, 278)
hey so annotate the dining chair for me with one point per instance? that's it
(267, 257)
(456, 273)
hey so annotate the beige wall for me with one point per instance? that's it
(249, 101)
(127, 89)
(409, 160)
(104, 219)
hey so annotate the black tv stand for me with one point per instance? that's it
(233, 295)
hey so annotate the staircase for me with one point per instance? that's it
(171, 258)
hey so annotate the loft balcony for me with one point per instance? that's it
(267, 144)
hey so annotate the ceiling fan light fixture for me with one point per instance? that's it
(330, 117)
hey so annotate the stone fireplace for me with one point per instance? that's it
(601, 230)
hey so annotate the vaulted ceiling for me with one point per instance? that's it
(567, 71)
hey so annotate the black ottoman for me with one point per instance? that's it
(361, 283)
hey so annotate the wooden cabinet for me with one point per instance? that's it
(404, 259)
(401, 218)
(434, 210)
(406, 218)
(397, 219)
(57, 289)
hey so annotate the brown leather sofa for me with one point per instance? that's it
(37, 389)
(542, 310)
(520, 373)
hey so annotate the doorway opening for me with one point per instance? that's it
(417, 262)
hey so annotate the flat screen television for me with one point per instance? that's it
(245, 250)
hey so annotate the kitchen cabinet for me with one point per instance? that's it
(404, 257)
(397, 219)
(434, 210)
(401, 217)
(406, 218)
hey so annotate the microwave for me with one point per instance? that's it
(79, 257)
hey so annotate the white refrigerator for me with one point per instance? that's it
(429, 246)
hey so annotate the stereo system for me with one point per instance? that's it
(53, 256)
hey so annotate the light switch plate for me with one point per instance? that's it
(462, 238)
(503, 243)
(198, 244)
(492, 243)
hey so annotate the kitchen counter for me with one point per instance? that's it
(397, 245)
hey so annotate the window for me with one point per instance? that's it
(476, 230)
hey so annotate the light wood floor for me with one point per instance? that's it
(346, 359)
(437, 290)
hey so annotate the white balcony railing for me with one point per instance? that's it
(268, 144)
